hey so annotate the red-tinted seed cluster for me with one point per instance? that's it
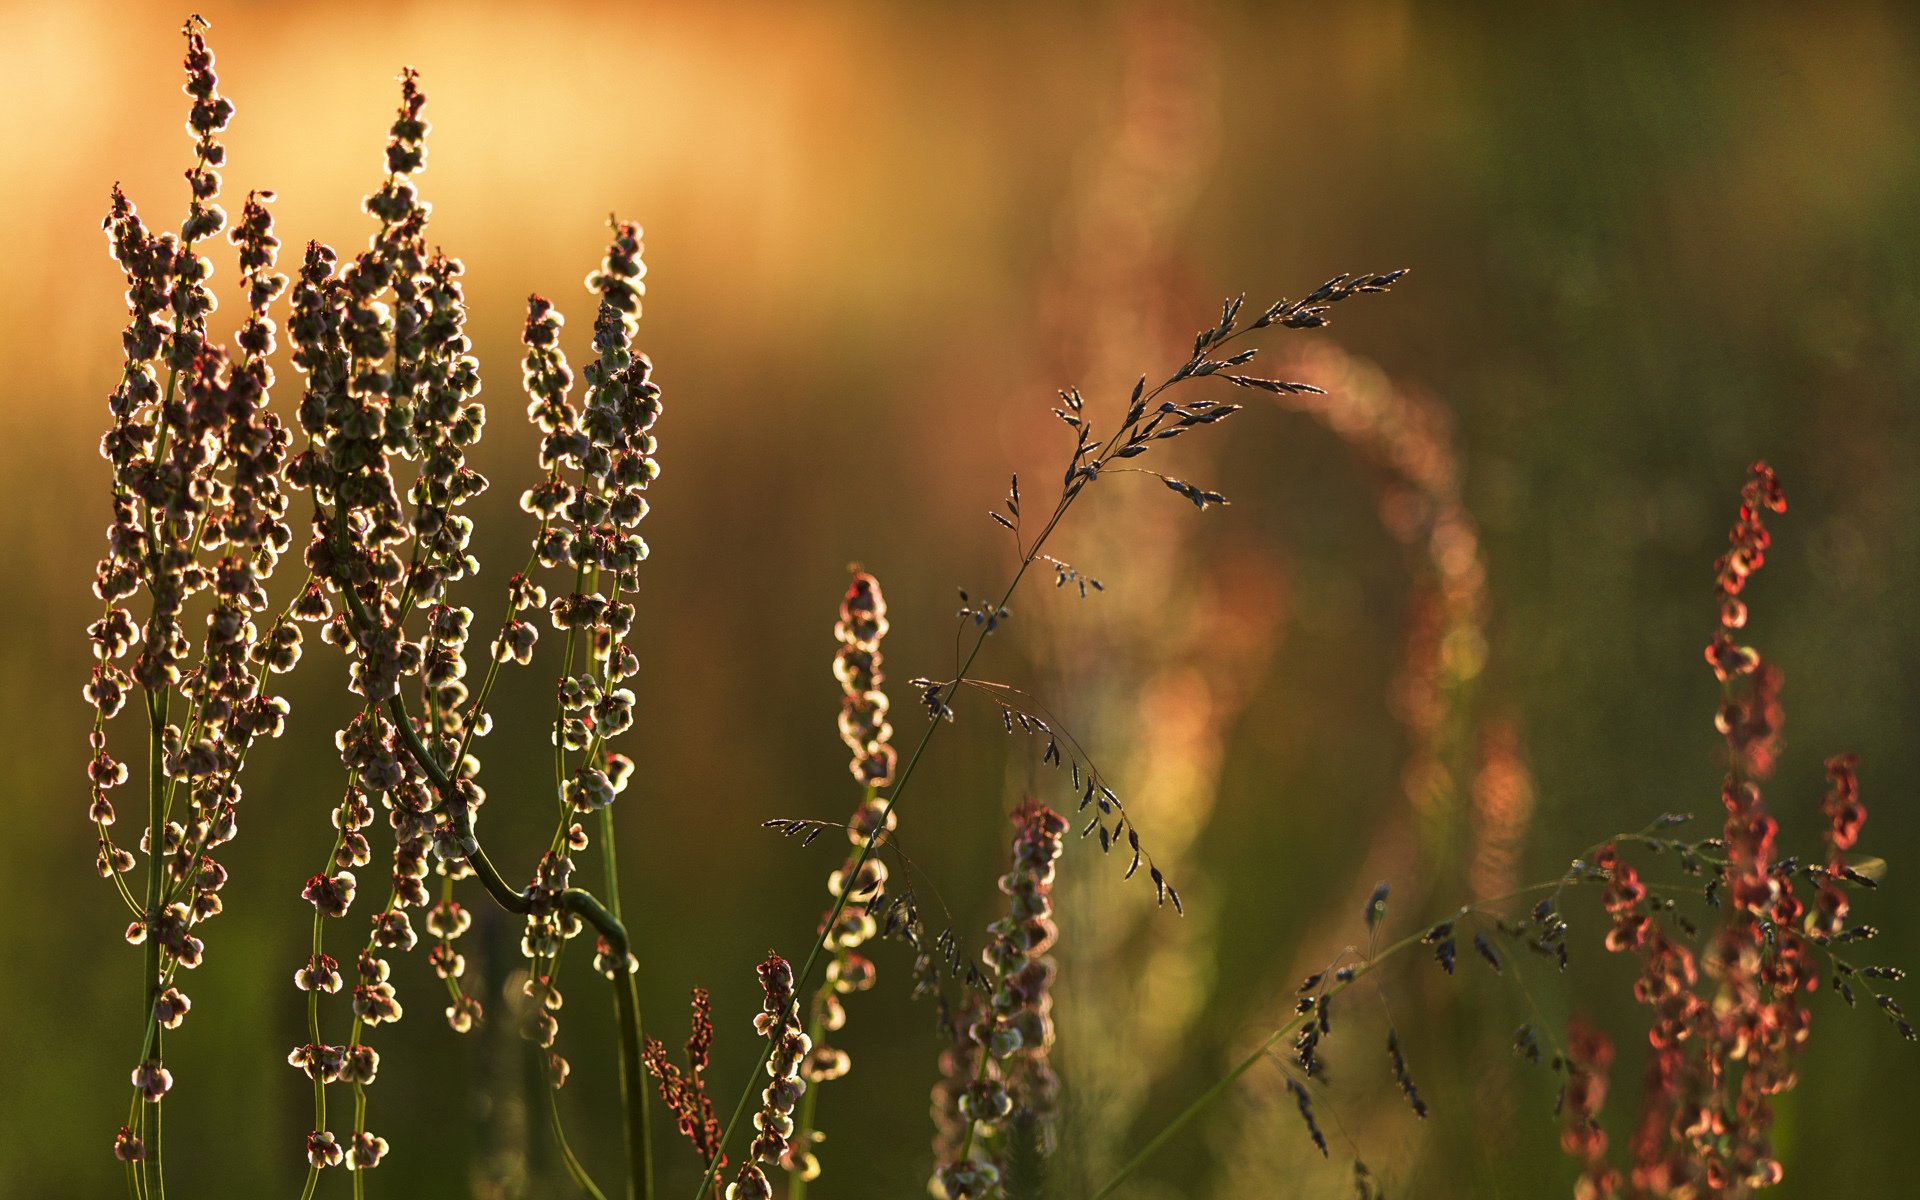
(1589, 1057)
(685, 1092)
(1845, 815)
(1721, 1052)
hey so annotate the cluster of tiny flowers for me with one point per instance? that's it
(599, 460)
(1845, 816)
(863, 726)
(198, 506)
(389, 373)
(786, 1084)
(863, 711)
(685, 1092)
(1015, 1030)
(200, 473)
(1718, 1057)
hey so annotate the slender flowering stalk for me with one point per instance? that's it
(197, 507)
(685, 1092)
(1728, 1025)
(787, 1049)
(866, 732)
(1148, 420)
(1012, 1084)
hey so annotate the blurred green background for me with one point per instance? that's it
(1650, 244)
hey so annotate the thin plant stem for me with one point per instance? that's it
(574, 1166)
(626, 1002)
(1219, 1087)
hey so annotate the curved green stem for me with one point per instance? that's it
(579, 901)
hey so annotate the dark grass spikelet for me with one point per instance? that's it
(1304, 1103)
(1402, 1076)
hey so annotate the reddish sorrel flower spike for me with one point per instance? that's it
(1589, 1056)
(686, 1093)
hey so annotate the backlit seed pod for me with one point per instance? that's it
(127, 1147)
(463, 1013)
(322, 1150)
(152, 1080)
(365, 1151)
(170, 1008)
(359, 1064)
(321, 974)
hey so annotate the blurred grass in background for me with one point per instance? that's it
(1650, 245)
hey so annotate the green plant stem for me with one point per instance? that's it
(152, 1170)
(573, 1164)
(626, 1002)
(803, 1127)
(578, 901)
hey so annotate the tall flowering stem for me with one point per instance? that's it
(1148, 420)
(787, 1049)
(998, 1073)
(198, 505)
(380, 342)
(1727, 1029)
(685, 1092)
(868, 735)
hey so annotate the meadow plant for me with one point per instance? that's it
(388, 413)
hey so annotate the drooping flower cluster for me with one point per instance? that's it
(1012, 1037)
(786, 1081)
(198, 506)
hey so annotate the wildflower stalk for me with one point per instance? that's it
(867, 848)
(1144, 425)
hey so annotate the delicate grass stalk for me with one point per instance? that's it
(1219, 1087)
(1132, 437)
